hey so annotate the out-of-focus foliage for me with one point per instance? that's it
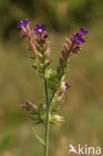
(4, 143)
(57, 14)
(85, 11)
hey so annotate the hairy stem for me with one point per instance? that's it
(47, 118)
(47, 121)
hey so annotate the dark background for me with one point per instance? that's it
(83, 106)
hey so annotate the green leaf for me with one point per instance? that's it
(38, 137)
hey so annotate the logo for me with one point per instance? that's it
(85, 149)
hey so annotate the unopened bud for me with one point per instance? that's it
(61, 60)
(66, 47)
(23, 106)
(67, 40)
(24, 30)
(40, 56)
(57, 118)
(59, 68)
(28, 29)
(28, 105)
(38, 47)
(65, 54)
(29, 36)
(69, 43)
(31, 45)
(48, 51)
(44, 35)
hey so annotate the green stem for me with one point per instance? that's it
(52, 96)
(48, 102)
(47, 118)
(47, 121)
(46, 137)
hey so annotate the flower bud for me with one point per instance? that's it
(56, 119)
(48, 51)
(44, 35)
(32, 46)
(28, 29)
(38, 47)
(69, 43)
(59, 68)
(66, 47)
(28, 105)
(61, 60)
(24, 30)
(65, 54)
(40, 56)
(29, 36)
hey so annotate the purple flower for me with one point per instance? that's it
(83, 32)
(77, 38)
(24, 23)
(67, 85)
(39, 29)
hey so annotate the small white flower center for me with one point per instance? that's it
(40, 30)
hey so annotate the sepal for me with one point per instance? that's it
(56, 119)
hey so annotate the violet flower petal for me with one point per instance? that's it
(83, 32)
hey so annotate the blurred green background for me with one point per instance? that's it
(83, 106)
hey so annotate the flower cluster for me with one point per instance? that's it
(38, 43)
(77, 38)
(71, 45)
(23, 24)
(37, 39)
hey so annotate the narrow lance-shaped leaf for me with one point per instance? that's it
(38, 137)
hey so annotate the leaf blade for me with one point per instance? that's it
(38, 137)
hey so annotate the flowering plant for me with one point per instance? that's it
(54, 80)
